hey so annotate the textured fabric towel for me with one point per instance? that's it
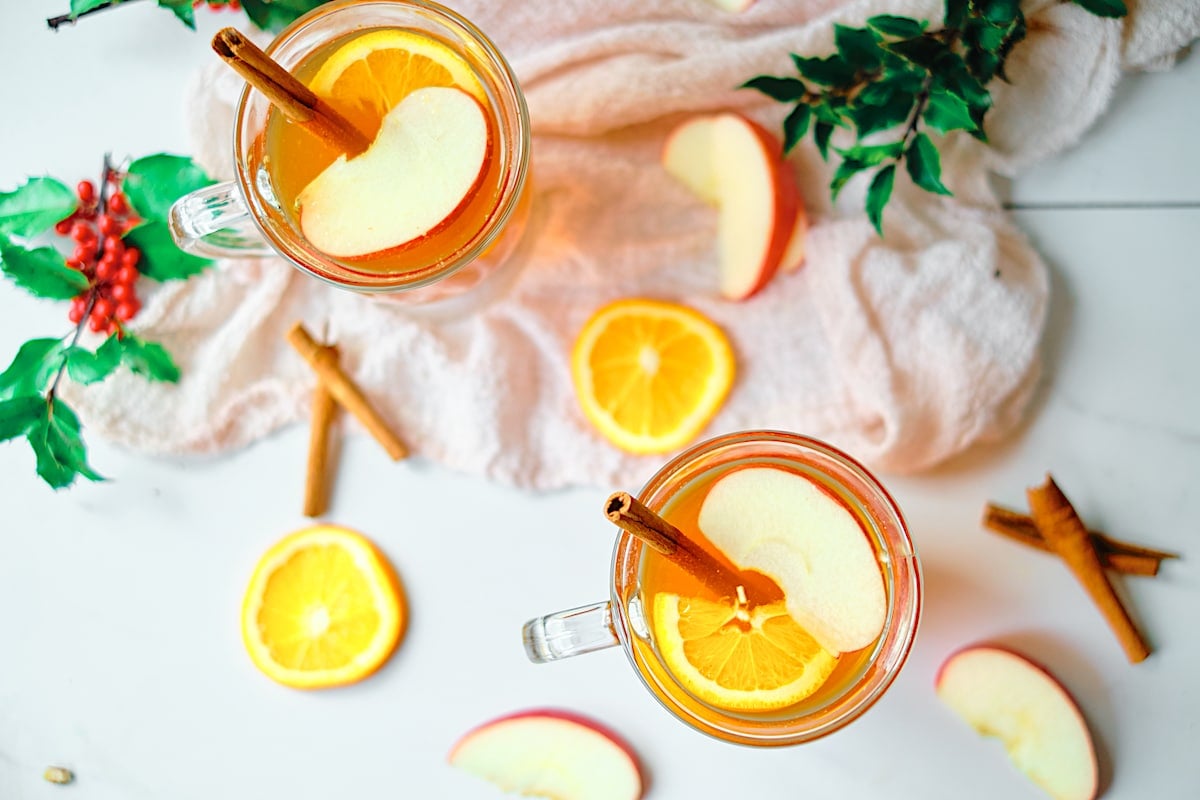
(903, 350)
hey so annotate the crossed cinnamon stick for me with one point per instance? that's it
(1054, 526)
(334, 388)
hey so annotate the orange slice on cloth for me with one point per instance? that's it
(324, 608)
(736, 657)
(650, 375)
(368, 76)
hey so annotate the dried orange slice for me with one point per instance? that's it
(324, 608)
(737, 657)
(650, 375)
(369, 75)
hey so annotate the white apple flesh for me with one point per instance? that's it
(551, 753)
(1002, 694)
(787, 527)
(429, 155)
(733, 163)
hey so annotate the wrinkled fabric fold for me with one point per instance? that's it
(903, 350)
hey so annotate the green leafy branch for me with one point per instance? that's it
(30, 405)
(897, 75)
(269, 15)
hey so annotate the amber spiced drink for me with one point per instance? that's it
(429, 187)
(786, 609)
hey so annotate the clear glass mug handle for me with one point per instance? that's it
(215, 222)
(570, 633)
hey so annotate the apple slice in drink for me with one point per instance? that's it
(431, 152)
(551, 753)
(733, 163)
(1002, 694)
(787, 527)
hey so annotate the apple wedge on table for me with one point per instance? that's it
(1005, 695)
(734, 164)
(430, 154)
(551, 753)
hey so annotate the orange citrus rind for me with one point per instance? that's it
(736, 657)
(650, 375)
(323, 608)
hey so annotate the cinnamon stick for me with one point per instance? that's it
(713, 569)
(344, 390)
(1061, 528)
(286, 93)
(1118, 556)
(316, 482)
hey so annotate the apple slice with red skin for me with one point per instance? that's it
(431, 152)
(798, 533)
(551, 753)
(733, 163)
(794, 253)
(1001, 693)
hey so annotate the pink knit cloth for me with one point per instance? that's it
(902, 350)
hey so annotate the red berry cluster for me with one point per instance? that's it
(214, 5)
(109, 264)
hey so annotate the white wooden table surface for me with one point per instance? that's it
(121, 658)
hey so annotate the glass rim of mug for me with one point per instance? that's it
(900, 627)
(514, 144)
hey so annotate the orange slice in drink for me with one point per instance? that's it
(650, 375)
(324, 608)
(368, 76)
(737, 657)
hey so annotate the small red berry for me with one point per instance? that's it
(118, 204)
(108, 225)
(86, 191)
(78, 307)
(130, 256)
(120, 292)
(82, 232)
(235, 5)
(113, 244)
(84, 253)
(63, 226)
(74, 263)
(126, 275)
(97, 323)
(126, 311)
(106, 270)
(102, 308)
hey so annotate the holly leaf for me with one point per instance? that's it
(161, 260)
(19, 414)
(878, 194)
(34, 207)
(32, 368)
(149, 359)
(830, 71)
(56, 441)
(946, 112)
(182, 9)
(275, 15)
(923, 51)
(899, 27)
(842, 175)
(821, 134)
(83, 6)
(795, 125)
(85, 367)
(1001, 12)
(924, 165)
(874, 154)
(42, 272)
(870, 118)
(785, 90)
(1104, 8)
(858, 46)
(154, 183)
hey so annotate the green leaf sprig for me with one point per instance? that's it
(269, 15)
(30, 405)
(896, 74)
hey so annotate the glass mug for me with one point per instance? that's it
(623, 620)
(243, 217)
